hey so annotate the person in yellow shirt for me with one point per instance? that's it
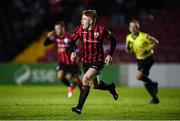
(142, 44)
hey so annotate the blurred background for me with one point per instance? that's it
(24, 24)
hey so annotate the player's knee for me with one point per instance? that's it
(86, 80)
(138, 75)
(60, 76)
(86, 83)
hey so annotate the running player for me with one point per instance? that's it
(142, 44)
(66, 70)
(91, 37)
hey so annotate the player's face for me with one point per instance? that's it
(59, 29)
(133, 28)
(86, 22)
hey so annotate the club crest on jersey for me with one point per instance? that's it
(66, 40)
(96, 34)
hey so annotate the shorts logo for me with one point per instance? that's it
(95, 67)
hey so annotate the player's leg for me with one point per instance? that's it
(143, 77)
(61, 77)
(88, 76)
(72, 84)
(77, 81)
(99, 84)
(75, 72)
(142, 73)
(61, 72)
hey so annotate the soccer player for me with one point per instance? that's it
(91, 37)
(142, 44)
(66, 70)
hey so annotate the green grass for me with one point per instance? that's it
(51, 102)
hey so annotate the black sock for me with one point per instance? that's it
(83, 95)
(146, 79)
(149, 87)
(66, 82)
(103, 86)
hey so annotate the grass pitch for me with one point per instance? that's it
(51, 102)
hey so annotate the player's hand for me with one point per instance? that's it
(128, 50)
(50, 34)
(108, 60)
(73, 56)
(145, 52)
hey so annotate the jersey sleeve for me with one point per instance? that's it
(76, 34)
(127, 41)
(108, 35)
(75, 37)
(151, 39)
(129, 44)
(49, 40)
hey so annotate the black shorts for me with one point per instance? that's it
(145, 64)
(96, 65)
(70, 68)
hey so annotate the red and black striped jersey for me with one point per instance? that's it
(92, 43)
(63, 42)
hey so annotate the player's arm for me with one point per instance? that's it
(127, 46)
(108, 59)
(72, 43)
(49, 39)
(152, 42)
(73, 47)
(113, 44)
